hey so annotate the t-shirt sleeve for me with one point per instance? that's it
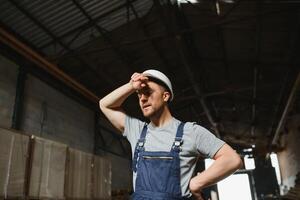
(206, 143)
(133, 128)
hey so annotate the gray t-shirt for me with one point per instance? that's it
(196, 140)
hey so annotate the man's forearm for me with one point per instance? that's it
(110, 105)
(221, 168)
(116, 97)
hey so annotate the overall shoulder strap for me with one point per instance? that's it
(179, 132)
(139, 147)
(144, 131)
(178, 139)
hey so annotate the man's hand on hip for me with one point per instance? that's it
(194, 188)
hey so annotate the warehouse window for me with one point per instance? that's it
(249, 162)
(188, 1)
(208, 162)
(199, 1)
(227, 188)
(275, 164)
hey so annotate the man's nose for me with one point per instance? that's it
(143, 97)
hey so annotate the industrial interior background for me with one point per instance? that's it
(234, 66)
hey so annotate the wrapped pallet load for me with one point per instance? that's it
(102, 178)
(13, 163)
(47, 169)
(88, 176)
(38, 168)
(79, 175)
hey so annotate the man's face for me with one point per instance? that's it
(152, 98)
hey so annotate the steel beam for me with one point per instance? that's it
(97, 133)
(53, 69)
(43, 75)
(146, 33)
(17, 35)
(18, 105)
(231, 9)
(291, 82)
(256, 68)
(70, 42)
(220, 37)
(287, 107)
(192, 50)
(85, 26)
(103, 32)
(224, 92)
(187, 30)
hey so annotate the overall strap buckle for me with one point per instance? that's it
(138, 148)
(178, 139)
(140, 144)
(177, 144)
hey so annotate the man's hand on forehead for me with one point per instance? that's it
(138, 81)
(139, 77)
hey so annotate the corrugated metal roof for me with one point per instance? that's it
(118, 18)
(62, 17)
(21, 24)
(97, 8)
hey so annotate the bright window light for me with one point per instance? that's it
(208, 162)
(248, 150)
(187, 1)
(197, 1)
(249, 162)
(275, 164)
(227, 188)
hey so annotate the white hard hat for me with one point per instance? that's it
(160, 76)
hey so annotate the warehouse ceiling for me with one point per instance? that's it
(233, 63)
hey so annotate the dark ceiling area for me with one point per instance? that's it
(234, 64)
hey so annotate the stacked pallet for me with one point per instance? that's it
(13, 161)
(47, 170)
(36, 168)
(88, 176)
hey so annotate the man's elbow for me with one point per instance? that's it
(237, 162)
(101, 104)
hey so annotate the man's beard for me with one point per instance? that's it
(154, 113)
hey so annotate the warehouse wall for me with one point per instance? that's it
(50, 114)
(8, 79)
(46, 112)
(289, 159)
(121, 165)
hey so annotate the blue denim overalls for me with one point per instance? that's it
(158, 173)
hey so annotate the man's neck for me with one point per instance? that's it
(162, 118)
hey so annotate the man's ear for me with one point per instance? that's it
(167, 96)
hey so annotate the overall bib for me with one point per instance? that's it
(158, 173)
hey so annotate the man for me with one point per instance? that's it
(165, 151)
